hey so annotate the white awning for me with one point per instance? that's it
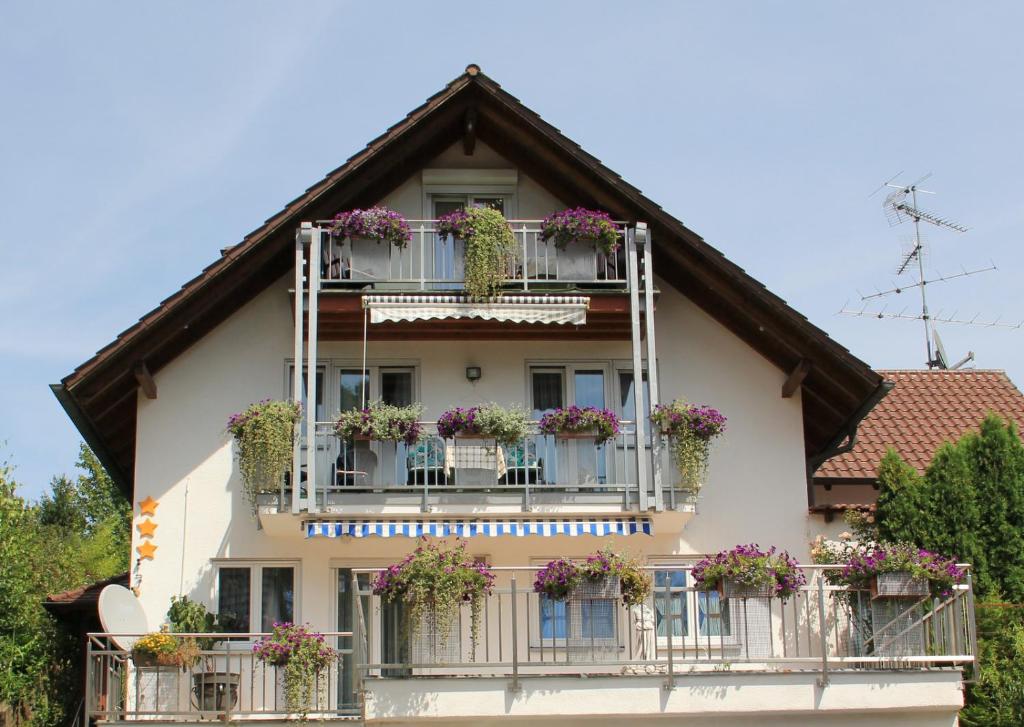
(519, 528)
(566, 309)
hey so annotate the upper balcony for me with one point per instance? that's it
(466, 476)
(431, 262)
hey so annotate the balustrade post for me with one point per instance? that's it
(670, 681)
(823, 629)
(514, 687)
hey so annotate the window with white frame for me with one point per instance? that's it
(694, 617)
(256, 594)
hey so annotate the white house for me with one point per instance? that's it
(153, 405)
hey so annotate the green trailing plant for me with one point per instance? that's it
(302, 654)
(265, 435)
(690, 429)
(434, 581)
(506, 425)
(490, 246)
(381, 422)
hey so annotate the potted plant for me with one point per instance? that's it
(579, 234)
(901, 570)
(212, 690)
(691, 429)
(588, 422)
(490, 246)
(508, 426)
(158, 657)
(746, 571)
(367, 231)
(302, 654)
(380, 422)
(604, 574)
(264, 435)
(434, 582)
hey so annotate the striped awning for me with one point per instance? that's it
(566, 309)
(476, 527)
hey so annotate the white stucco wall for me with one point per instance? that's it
(755, 491)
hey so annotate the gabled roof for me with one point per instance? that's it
(100, 395)
(923, 410)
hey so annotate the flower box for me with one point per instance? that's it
(472, 435)
(733, 588)
(577, 261)
(587, 589)
(156, 689)
(371, 259)
(586, 434)
(899, 584)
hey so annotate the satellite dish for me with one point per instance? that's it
(941, 359)
(121, 613)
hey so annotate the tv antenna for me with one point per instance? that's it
(900, 206)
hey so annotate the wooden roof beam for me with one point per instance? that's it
(145, 379)
(796, 378)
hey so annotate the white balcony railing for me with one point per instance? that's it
(430, 262)
(539, 465)
(678, 630)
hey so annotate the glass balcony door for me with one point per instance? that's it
(569, 461)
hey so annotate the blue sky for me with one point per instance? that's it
(137, 139)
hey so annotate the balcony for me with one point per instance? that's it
(462, 476)
(431, 262)
(684, 652)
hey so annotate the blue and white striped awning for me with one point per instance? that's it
(476, 527)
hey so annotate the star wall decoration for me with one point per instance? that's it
(146, 551)
(148, 506)
(146, 528)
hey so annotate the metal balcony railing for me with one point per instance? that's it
(822, 628)
(539, 465)
(431, 262)
(223, 683)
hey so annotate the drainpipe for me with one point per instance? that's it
(847, 437)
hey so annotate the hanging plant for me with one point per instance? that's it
(864, 566)
(265, 435)
(746, 571)
(381, 422)
(602, 423)
(506, 425)
(690, 429)
(559, 578)
(581, 225)
(377, 223)
(490, 246)
(303, 655)
(435, 581)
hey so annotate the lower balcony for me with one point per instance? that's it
(828, 653)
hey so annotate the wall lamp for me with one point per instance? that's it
(473, 373)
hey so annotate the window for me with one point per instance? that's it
(674, 604)
(275, 602)
(577, 622)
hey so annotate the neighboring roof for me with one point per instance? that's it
(100, 395)
(83, 597)
(925, 409)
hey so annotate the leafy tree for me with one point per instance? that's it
(78, 533)
(970, 504)
(901, 500)
(996, 699)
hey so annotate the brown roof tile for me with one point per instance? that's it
(925, 409)
(83, 596)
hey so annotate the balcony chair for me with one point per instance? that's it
(425, 463)
(523, 466)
